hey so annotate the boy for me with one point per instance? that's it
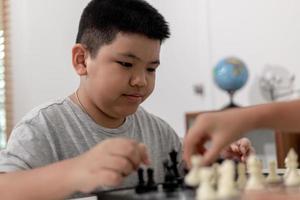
(99, 135)
(221, 128)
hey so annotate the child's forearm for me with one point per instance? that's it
(50, 182)
(284, 116)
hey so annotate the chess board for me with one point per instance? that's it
(273, 192)
(176, 187)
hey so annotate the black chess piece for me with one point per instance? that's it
(170, 182)
(175, 164)
(151, 186)
(141, 186)
(173, 158)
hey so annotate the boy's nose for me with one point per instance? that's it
(138, 80)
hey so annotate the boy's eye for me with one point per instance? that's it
(124, 64)
(151, 69)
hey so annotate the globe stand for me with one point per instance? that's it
(231, 102)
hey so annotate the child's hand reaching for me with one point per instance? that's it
(239, 150)
(107, 164)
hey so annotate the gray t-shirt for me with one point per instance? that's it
(60, 130)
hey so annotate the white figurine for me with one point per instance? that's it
(256, 179)
(193, 178)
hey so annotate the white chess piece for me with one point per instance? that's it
(215, 176)
(205, 190)
(292, 179)
(226, 183)
(256, 179)
(273, 177)
(242, 178)
(287, 169)
(193, 178)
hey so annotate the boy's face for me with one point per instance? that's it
(122, 74)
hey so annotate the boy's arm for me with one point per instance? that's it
(54, 181)
(103, 165)
(222, 128)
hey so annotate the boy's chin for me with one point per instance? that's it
(128, 111)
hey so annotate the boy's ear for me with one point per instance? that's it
(79, 55)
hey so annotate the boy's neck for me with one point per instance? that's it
(97, 115)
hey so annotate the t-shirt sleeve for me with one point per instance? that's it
(27, 148)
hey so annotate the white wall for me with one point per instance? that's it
(203, 31)
(42, 34)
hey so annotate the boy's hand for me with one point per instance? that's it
(239, 150)
(107, 164)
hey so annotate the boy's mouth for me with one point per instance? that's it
(135, 98)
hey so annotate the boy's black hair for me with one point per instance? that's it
(101, 20)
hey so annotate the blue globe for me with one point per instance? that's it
(230, 74)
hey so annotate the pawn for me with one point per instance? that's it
(206, 191)
(141, 186)
(215, 175)
(273, 177)
(226, 183)
(151, 186)
(193, 177)
(256, 179)
(242, 178)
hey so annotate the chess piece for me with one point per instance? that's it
(170, 181)
(151, 186)
(256, 179)
(242, 178)
(226, 183)
(292, 179)
(173, 158)
(141, 186)
(206, 191)
(272, 177)
(193, 177)
(287, 169)
(215, 175)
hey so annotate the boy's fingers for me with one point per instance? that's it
(144, 154)
(110, 178)
(119, 164)
(128, 149)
